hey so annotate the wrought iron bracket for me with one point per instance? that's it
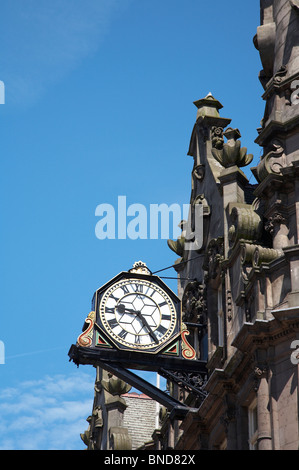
(191, 375)
(177, 409)
(192, 382)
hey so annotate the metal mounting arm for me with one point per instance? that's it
(178, 410)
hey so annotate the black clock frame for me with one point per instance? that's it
(149, 278)
(188, 374)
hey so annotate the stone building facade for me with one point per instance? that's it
(245, 276)
(242, 297)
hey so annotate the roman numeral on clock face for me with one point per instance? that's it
(112, 323)
(125, 289)
(122, 334)
(165, 316)
(161, 330)
(109, 309)
(138, 288)
(137, 339)
(150, 294)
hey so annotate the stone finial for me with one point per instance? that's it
(208, 106)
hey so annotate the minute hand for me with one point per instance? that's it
(144, 322)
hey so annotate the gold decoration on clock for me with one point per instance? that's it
(85, 339)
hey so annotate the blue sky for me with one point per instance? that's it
(98, 104)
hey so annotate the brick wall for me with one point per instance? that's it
(139, 418)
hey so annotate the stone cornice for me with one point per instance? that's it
(284, 323)
(276, 128)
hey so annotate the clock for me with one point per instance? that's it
(138, 312)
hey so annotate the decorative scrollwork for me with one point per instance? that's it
(192, 382)
(187, 351)
(246, 224)
(85, 339)
(272, 162)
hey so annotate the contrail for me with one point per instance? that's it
(32, 353)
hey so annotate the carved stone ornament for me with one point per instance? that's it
(200, 199)
(246, 224)
(229, 304)
(213, 257)
(194, 302)
(217, 137)
(97, 414)
(264, 255)
(119, 438)
(278, 77)
(179, 245)
(259, 373)
(199, 172)
(230, 153)
(275, 219)
(247, 253)
(272, 162)
(114, 385)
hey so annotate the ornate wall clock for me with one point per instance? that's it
(137, 311)
(136, 323)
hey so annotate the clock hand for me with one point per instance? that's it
(121, 308)
(144, 322)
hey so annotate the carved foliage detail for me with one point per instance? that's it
(213, 257)
(194, 302)
(229, 153)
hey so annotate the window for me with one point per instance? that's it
(252, 426)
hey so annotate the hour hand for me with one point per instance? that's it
(121, 308)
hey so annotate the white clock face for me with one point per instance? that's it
(137, 314)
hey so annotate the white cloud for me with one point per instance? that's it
(49, 413)
(42, 41)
